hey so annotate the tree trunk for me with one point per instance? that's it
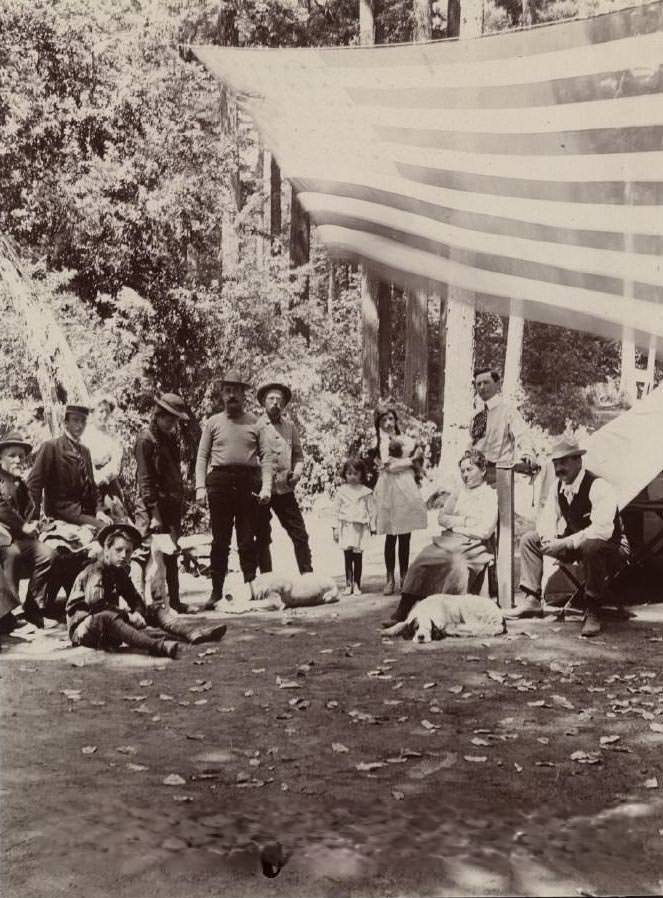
(385, 337)
(370, 379)
(528, 13)
(369, 286)
(514, 354)
(416, 352)
(423, 20)
(461, 304)
(627, 384)
(57, 374)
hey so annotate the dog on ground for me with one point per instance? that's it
(442, 615)
(275, 592)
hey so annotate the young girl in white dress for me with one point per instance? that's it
(355, 521)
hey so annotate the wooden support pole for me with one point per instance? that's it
(651, 365)
(514, 354)
(385, 300)
(505, 546)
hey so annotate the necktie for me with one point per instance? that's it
(479, 422)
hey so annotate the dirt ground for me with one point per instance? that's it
(529, 764)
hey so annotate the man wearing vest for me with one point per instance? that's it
(497, 428)
(580, 522)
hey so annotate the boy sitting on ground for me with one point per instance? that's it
(104, 608)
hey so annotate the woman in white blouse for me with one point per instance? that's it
(468, 519)
(105, 448)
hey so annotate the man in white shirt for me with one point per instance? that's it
(497, 429)
(579, 522)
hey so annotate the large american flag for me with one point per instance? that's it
(525, 167)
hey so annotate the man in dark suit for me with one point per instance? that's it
(24, 556)
(64, 475)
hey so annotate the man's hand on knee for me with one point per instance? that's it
(554, 547)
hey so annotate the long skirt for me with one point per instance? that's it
(446, 566)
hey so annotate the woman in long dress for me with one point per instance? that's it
(105, 449)
(452, 562)
(400, 507)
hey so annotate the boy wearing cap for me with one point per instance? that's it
(64, 475)
(580, 522)
(288, 467)
(160, 502)
(104, 608)
(24, 556)
(237, 453)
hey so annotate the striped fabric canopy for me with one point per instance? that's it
(525, 167)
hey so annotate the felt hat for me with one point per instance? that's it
(274, 385)
(14, 438)
(234, 377)
(173, 404)
(76, 410)
(564, 447)
(127, 530)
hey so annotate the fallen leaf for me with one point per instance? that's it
(165, 697)
(182, 797)
(586, 757)
(544, 764)
(429, 685)
(539, 703)
(331, 705)
(288, 684)
(202, 686)
(249, 693)
(369, 765)
(226, 710)
(141, 709)
(284, 787)
(134, 698)
(88, 749)
(339, 747)
(126, 750)
(495, 675)
(478, 741)
(174, 779)
(544, 740)
(519, 769)
(208, 652)
(146, 683)
(651, 783)
(97, 704)
(397, 794)
(561, 702)
(74, 695)
(197, 737)
(427, 725)
(609, 740)
(326, 651)
(456, 690)
(475, 759)
(137, 768)
(656, 727)
(200, 701)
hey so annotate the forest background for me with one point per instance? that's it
(118, 186)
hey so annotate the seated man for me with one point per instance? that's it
(104, 609)
(24, 556)
(580, 522)
(63, 473)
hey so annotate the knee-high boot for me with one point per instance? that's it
(170, 622)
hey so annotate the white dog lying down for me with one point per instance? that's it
(442, 615)
(273, 592)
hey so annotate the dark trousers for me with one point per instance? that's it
(288, 512)
(403, 553)
(600, 558)
(108, 629)
(229, 493)
(29, 558)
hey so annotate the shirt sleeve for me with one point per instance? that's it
(481, 521)
(202, 458)
(548, 522)
(39, 474)
(602, 520)
(146, 473)
(521, 433)
(130, 594)
(372, 512)
(266, 454)
(297, 453)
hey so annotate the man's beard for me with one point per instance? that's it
(274, 414)
(233, 408)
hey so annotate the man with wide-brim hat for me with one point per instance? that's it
(160, 502)
(23, 555)
(288, 467)
(233, 475)
(579, 522)
(64, 475)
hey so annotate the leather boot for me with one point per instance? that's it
(189, 632)
(165, 648)
(390, 586)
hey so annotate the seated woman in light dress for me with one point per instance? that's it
(468, 520)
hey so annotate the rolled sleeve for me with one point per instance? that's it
(202, 458)
(521, 434)
(266, 454)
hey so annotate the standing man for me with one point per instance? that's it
(24, 556)
(580, 522)
(288, 461)
(497, 429)
(160, 503)
(233, 471)
(63, 473)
